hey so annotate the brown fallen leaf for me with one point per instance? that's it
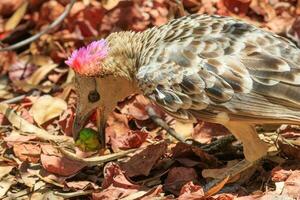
(40, 73)
(179, 176)
(191, 191)
(292, 185)
(289, 150)
(133, 139)
(21, 69)
(154, 193)
(82, 185)
(27, 152)
(115, 184)
(54, 162)
(109, 4)
(7, 7)
(47, 107)
(191, 155)
(240, 7)
(6, 183)
(279, 174)
(119, 136)
(16, 137)
(5, 170)
(204, 132)
(142, 162)
(136, 107)
(60, 165)
(16, 18)
(66, 120)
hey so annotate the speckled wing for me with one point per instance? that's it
(200, 66)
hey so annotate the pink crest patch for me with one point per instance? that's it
(86, 60)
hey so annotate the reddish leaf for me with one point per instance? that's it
(21, 69)
(133, 139)
(137, 106)
(186, 155)
(66, 120)
(60, 165)
(119, 136)
(7, 7)
(3, 120)
(16, 138)
(290, 151)
(50, 10)
(154, 193)
(191, 191)
(116, 185)
(278, 174)
(177, 177)
(205, 131)
(237, 6)
(292, 185)
(142, 162)
(27, 152)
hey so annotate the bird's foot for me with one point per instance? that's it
(216, 185)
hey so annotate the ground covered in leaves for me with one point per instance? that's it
(38, 158)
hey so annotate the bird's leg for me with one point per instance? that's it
(254, 150)
(254, 147)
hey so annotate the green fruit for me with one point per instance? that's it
(88, 140)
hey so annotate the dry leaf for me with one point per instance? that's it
(21, 69)
(4, 170)
(142, 162)
(15, 19)
(116, 185)
(5, 184)
(40, 74)
(109, 4)
(191, 191)
(82, 185)
(292, 185)
(177, 177)
(27, 152)
(184, 129)
(61, 165)
(47, 107)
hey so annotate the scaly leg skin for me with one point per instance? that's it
(254, 150)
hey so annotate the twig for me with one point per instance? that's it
(47, 29)
(73, 194)
(92, 161)
(15, 99)
(163, 124)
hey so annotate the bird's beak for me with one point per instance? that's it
(80, 121)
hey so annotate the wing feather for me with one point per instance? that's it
(204, 65)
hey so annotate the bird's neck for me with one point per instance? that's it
(127, 52)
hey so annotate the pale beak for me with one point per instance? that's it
(79, 122)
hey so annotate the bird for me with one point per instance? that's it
(213, 68)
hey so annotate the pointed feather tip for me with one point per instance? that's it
(86, 60)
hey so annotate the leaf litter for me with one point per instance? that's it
(140, 161)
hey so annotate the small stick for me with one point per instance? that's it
(67, 195)
(47, 29)
(92, 161)
(15, 99)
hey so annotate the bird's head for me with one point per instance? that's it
(100, 81)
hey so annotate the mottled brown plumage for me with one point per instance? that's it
(213, 68)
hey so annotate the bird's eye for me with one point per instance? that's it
(94, 96)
